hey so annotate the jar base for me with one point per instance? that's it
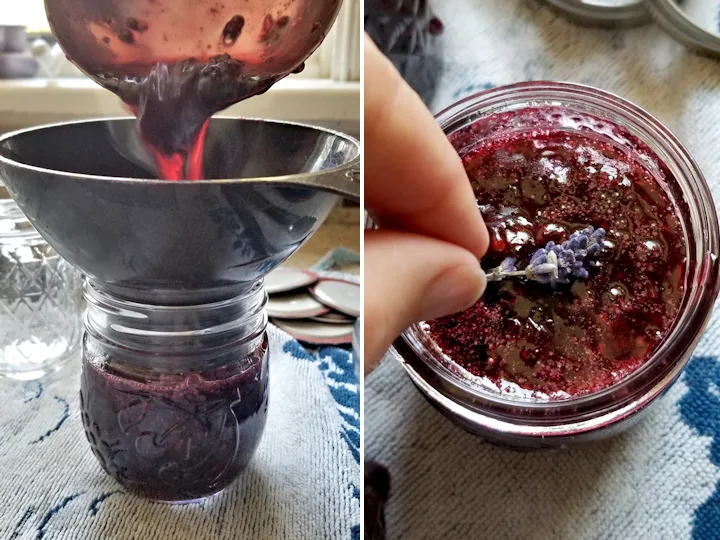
(42, 370)
(177, 502)
(191, 501)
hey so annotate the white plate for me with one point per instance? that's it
(342, 296)
(284, 279)
(317, 333)
(334, 317)
(295, 306)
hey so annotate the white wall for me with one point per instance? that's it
(45, 101)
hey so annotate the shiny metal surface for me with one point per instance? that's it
(87, 188)
(604, 12)
(671, 18)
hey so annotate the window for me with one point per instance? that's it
(29, 13)
(338, 58)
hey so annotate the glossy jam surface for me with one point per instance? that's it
(175, 437)
(535, 185)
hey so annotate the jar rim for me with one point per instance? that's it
(671, 355)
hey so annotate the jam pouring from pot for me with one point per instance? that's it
(175, 63)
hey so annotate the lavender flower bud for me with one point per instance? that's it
(508, 265)
(555, 264)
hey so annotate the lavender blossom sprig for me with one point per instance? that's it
(554, 263)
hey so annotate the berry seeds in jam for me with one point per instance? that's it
(534, 185)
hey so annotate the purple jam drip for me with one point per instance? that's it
(177, 437)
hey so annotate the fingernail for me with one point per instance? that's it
(454, 290)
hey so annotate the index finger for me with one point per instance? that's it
(414, 179)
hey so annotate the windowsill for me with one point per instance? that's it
(30, 102)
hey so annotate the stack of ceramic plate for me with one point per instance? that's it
(313, 309)
(687, 22)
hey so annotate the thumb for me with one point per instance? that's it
(411, 278)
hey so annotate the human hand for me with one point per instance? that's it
(423, 262)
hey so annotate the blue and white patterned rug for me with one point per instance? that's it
(303, 484)
(660, 480)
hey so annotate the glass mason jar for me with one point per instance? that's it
(40, 302)
(174, 398)
(527, 422)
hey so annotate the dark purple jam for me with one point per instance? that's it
(534, 185)
(176, 437)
